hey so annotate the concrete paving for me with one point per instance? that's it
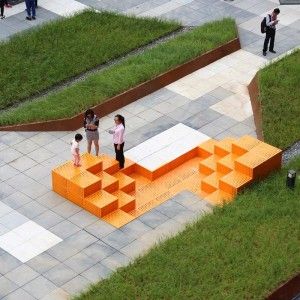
(51, 248)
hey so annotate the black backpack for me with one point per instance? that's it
(263, 24)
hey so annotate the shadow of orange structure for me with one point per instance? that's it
(215, 170)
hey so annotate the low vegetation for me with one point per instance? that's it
(280, 100)
(244, 250)
(98, 87)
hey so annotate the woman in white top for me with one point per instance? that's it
(118, 139)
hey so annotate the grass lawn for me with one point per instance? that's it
(35, 60)
(118, 78)
(242, 251)
(280, 99)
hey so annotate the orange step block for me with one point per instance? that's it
(109, 182)
(226, 163)
(259, 161)
(207, 148)
(210, 184)
(100, 203)
(91, 163)
(126, 202)
(208, 165)
(82, 186)
(109, 164)
(224, 147)
(233, 182)
(244, 144)
(126, 183)
(62, 174)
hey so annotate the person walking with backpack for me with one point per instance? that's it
(270, 30)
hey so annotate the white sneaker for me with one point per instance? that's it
(2, 17)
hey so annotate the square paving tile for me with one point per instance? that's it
(80, 262)
(60, 274)
(135, 228)
(8, 263)
(153, 218)
(27, 241)
(16, 200)
(64, 229)
(22, 275)
(19, 294)
(42, 263)
(115, 261)
(97, 272)
(23, 163)
(99, 251)
(76, 285)
(118, 239)
(39, 287)
(7, 172)
(7, 286)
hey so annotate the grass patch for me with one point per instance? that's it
(280, 99)
(242, 251)
(118, 78)
(38, 59)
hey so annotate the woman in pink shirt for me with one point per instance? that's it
(118, 139)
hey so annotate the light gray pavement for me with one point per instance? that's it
(72, 248)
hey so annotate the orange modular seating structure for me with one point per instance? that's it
(215, 170)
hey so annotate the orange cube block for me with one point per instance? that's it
(234, 182)
(126, 202)
(208, 165)
(126, 183)
(100, 203)
(207, 148)
(224, 147)
(244, 144)
(259, 161)
(109, 164)
(62, 174)
(109, 183)
(91, 163)
(82, 185)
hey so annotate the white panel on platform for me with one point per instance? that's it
(166, 146)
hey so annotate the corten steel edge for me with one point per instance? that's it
(253, 89)
(288, 291)
(133, 94)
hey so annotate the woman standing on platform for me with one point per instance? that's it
(118, 139)
(91, 124)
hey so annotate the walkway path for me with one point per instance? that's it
(68, 248)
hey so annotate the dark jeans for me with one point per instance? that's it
(30, 8)
(120, 155)
(270, 36)
(2, 2)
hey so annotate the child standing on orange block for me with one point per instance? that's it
(75, 149)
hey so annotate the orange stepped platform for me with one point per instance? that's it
(215, 170)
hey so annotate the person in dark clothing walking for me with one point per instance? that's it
(30, 8)
(2, 2)
(271, 22)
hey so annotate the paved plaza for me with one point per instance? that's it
(51, 248)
